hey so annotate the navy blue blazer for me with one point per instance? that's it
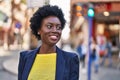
(67, 66)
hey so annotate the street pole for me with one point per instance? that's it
(90, 22)
(90, 25)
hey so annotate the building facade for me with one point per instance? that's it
(105, 20)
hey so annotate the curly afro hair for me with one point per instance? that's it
(43, 12)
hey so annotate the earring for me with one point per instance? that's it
(38, 33)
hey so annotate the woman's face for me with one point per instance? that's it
(50, 31)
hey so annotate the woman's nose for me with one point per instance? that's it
(54, 29)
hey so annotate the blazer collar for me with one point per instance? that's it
(29, 62)
(60, 65)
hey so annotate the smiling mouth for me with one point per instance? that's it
(54, 37)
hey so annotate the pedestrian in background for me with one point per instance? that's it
(101, 42)
(48, 62)
(82, 51)
(108, 53)
(94, 55)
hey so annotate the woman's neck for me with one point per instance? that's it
(47, 49)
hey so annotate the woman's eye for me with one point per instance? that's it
(49, 26)
(58, 27)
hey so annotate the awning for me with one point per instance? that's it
(86, 1)
(95, 0)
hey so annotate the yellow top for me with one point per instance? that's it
(44, 67)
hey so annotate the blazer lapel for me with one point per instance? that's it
(60, 66)
(29, 62)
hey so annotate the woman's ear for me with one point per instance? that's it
(38, 33)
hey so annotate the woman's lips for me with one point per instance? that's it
(54, 37)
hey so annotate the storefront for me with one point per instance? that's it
(105, 21)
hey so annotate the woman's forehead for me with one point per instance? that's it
(51, 19)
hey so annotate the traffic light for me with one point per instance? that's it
(78, 10)
(91, 12)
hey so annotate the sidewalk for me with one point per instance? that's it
(11, 63)
(11, 66)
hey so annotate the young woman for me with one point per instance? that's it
(48, 62)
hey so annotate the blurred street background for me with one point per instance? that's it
(92, 31)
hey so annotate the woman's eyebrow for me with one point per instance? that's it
(54, 23)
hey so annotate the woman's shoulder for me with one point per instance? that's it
(69, 54)
(27, 52)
